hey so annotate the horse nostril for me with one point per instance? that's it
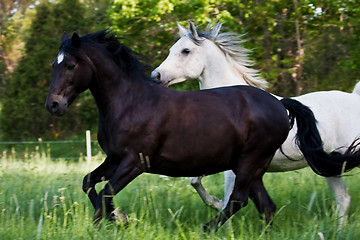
(54, 106)
(155, 76)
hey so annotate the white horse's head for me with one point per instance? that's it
(185, 60)
(216, 59)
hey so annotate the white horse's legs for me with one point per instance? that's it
(342, 197)
(229, 185)
(208, 199)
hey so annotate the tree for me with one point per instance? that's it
(12, 15)
(23, 113)
(288, 37)
(333, 43)
(20, 104)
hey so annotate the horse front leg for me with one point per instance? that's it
(229, 180)
(125, 172)
(101, 173)
(208, 199)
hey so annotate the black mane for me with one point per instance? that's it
(106, 40)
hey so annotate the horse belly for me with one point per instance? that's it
(293, 158)
(283, 164)
(174, 169)
(195, 160)
(195, 149)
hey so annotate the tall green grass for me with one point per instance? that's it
(42, 199)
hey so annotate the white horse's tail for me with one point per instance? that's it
(357, 88)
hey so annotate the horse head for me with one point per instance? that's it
(215, 59)
(70, 78)
(186, 59)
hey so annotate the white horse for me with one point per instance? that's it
(219, 59)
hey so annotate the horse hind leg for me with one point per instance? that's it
(341, 195)
(263, 202)
(208, 199)
(238, 199)
(249, 173)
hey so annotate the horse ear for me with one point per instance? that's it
(192, 30)
(64, 37)
(75, 40)
(182, 31)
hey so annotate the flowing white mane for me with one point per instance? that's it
(238, 56)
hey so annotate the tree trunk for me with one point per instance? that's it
(299, 56)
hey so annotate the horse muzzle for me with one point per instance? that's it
(56, 105)
(156, 77)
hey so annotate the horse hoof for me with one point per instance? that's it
(206, 228)
(217, 204)
(120, 217)
(97, 218)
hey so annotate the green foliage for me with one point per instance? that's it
(323, 55)
(333, 43)
(149, 27)
(328, 36)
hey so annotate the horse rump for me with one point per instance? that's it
(309, 141)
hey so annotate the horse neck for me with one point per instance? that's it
(111, 88)
(218, 72)
(222, 70)
(220, 75)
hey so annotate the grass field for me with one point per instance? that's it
(42, 199)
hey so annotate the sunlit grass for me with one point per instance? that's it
(43, 199)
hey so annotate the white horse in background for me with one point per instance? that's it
(219, 59)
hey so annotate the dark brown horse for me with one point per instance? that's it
(144, 127)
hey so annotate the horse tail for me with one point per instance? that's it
(357, 89)
(309, 141)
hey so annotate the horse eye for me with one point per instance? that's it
(185, 51)
(70, 66)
